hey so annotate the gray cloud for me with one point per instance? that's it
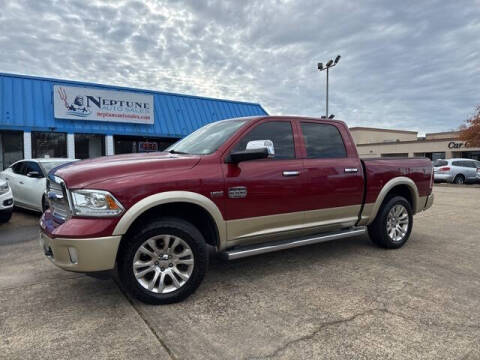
(411, 65)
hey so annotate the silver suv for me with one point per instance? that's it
(457, 171)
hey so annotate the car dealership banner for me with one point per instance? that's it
(81, 103)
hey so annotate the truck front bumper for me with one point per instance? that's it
(81, 255)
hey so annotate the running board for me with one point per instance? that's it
(241, 252)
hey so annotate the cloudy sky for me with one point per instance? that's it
(405, 64)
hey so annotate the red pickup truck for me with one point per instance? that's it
(243, 186)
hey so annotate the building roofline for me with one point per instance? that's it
(409, 142)
(443, 132)
(383, 130)
(126, 88)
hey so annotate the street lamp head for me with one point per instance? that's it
(329, 63)
(320, 66)
(331, 116)
(337, 59)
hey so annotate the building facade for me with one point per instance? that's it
(42, 117)
(374, 142)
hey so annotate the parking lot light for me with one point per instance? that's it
(330, 63)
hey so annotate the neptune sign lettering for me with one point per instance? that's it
(80, 103)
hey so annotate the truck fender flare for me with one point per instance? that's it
(401, 180)
(171, 197)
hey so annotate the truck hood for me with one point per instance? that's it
(81, 174)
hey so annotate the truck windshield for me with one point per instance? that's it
(207, 139)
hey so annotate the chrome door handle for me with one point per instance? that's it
(351, 170)
(21, 182)
(291, 173)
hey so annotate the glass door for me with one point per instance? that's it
(11, 148)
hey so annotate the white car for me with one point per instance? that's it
(457, 171)
(27, 179)
(6, 201)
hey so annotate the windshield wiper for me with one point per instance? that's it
(177, 152)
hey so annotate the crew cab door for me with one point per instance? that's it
(333, 173)
(265, 198)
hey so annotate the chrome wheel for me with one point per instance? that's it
(397, 223)
(163, 263)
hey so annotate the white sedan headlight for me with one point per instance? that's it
(4, 188)
(95, 203)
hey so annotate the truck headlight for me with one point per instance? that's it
(95, 203)
(4, 189)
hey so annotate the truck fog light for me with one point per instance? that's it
(73, 255)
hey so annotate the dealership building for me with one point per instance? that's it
(374, 142)
(42, 117)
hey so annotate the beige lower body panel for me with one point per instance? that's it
(429, 202)
(423, 203)
(285, 226)
(82, 255)
(422, 200)
(366, 214)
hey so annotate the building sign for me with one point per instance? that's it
(457, 145)
(80, 103)
(146, 146)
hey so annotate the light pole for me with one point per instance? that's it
(328, 65)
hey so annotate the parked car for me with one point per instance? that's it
(457, 171)
(6, 201)
(27, 179)
(244, 186)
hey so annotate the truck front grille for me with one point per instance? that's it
(58, 198)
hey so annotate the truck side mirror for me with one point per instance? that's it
(259, 144)
(246, 155)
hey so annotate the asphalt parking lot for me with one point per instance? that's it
(337, 300)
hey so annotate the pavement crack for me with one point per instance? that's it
(319, 329)
(342, 321)
(146, 322)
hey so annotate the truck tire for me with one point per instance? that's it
(164, 262)
(393, 224)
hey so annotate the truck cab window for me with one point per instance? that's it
(279, 132)
(322, 141)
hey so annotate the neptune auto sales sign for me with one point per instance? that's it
(81, 103)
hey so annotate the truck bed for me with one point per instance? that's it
(379, 171)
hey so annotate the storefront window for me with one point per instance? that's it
(131, 144)
(89, 146)
(475, 155)
(49, 144)
(437, 156)
(11, 148)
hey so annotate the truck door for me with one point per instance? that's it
(334, 176)
(265, 197)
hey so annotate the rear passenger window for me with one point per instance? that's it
(323, 141)
(457, 163)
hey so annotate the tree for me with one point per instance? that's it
(470, 132)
